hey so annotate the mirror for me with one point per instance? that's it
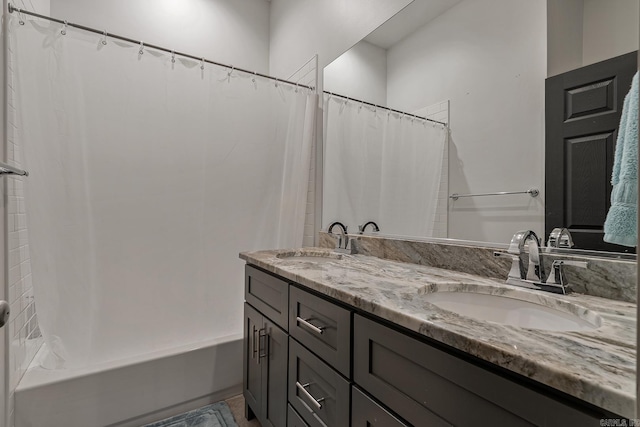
(480, 67)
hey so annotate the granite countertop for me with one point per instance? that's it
(597, 366)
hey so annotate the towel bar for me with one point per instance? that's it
(532, 191)
(5, 169)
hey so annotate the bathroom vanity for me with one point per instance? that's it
(333, 339)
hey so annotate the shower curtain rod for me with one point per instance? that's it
(151, 46)
(384, 108)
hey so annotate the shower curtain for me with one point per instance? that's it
(148, 175)
(380, 166)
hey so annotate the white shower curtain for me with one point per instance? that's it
(147, 178)
(380, 166)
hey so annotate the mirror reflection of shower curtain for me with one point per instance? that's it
(147, 178)
(380, 166)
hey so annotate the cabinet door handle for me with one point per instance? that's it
(262, 333)
(314, 328)
(303, 388)
(255, 344)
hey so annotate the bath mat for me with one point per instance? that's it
(215, 415)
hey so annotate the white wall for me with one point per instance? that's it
(302, 28)
(489, 58)
(583, 32)
(610, 29)
(234, 32)
(360, 73)
(564, 35)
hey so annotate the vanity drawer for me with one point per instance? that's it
(268, 294)
(367, 413)
(293, 419)
(322, 327)
(424, 384)
(317, 392)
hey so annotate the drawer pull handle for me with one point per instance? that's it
(262, 345)
(255, 344)
(314, 328)
(303, 389)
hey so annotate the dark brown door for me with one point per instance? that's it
(583, 109)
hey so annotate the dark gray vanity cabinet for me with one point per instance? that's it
(266, 349)
(323, 364)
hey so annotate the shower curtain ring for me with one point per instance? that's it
(20, 16)
(64, 29)
(276, 82)
(296, 87)
(141, 51)
(202, 63)
(173, 57)
(104, 38)
(255, 74)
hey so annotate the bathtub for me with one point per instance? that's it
(132, 392)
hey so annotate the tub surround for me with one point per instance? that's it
(606, 278)
(596, 366)
(131, 392)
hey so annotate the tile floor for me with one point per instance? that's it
(236, 404)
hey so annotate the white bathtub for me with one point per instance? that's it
(132, 392)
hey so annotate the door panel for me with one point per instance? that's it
(252, 389)
(274, 380)
(583, 109)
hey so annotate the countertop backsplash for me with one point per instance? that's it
(607, 278)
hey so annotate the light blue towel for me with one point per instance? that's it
(621, 226)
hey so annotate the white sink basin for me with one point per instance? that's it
(521, 309)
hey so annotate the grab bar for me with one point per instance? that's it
(5, 169)
(532, 191)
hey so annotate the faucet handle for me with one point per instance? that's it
(535, 271)
(556, 275)
(514, 273)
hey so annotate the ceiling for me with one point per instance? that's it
(407, 21)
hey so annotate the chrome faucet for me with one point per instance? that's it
(559, 238)
(361, 228)
(343, 236)
(534, 276)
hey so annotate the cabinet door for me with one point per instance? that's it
(367, 413)
(252, 375)
(273, 354)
